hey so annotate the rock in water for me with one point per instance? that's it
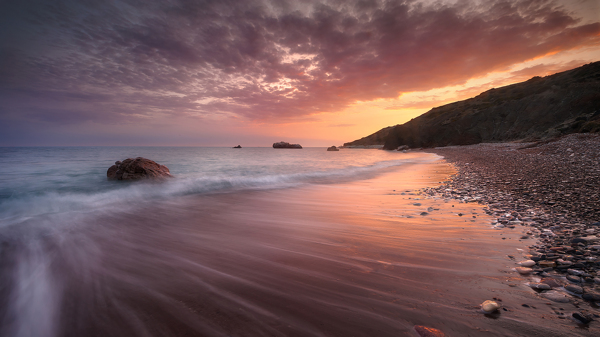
(286, 145)
(424, 331)
(332, 148)
(489, 306)
(136, 169)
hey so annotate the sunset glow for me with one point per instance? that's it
(254, 72)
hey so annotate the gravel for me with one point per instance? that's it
(549, 190)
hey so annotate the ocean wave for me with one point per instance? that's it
(123, 195)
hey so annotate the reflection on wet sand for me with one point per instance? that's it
(353, 259)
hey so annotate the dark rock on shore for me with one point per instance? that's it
(286, 145)
(136, 169)
(332, 148)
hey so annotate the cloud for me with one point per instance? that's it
(267, 61)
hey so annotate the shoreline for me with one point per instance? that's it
(546, 193)
(364, 257)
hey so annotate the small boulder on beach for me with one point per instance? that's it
(137, 169)
(489, 306)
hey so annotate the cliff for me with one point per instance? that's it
(540, 108)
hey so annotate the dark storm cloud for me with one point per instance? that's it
(73, 61)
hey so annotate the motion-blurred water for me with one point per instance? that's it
(61, 221)
(246, 242)
(50, 180)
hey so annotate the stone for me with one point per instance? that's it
(540, 286)
(237, 147)
(332, 148)
(575, 272)
(402, 148)
(551, 282)
(556, 296)
(574, 289)
(524, 270)
(489, 306)
(574, 279)
(527, 263)
(581, 318)
(591, 296)
(286, 145)
(137, 169)
(547, 264)
(424, 331)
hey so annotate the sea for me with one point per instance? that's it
(242, 242)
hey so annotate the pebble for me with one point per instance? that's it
(540, 286)
(575, 272)
(574, 289)
(547, 264)
(556, 296)
(591, 296)
(527, 263)
(583, 319)
(574, 279)
(489, 306)
(524, 270)
(424, 331)
(551, 282)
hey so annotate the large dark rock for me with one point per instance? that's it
(286, 145)
(332, 148)
(136, 169)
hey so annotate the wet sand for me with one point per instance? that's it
(354, 259)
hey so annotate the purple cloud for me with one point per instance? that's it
(66, 62)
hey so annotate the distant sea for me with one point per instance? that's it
(41, 181)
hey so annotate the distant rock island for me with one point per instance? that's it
(332, 148)
(136, 169)
(237, 147)
(537, 109)
(286, 145)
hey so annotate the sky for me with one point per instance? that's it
(254, 72)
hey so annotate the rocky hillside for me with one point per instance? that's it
(540, 108)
